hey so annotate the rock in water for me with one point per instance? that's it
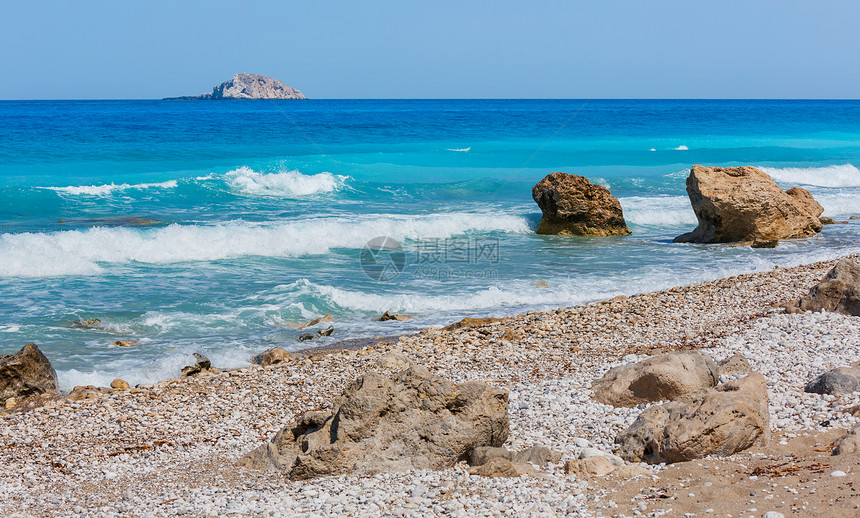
(572, 205)
(389, 316)
(745, 204)
(415, 420)
(26, 373)
(327, 318)
(248, 86)
(202, 364)
(838, 291)
(721, 421)
(658, 378)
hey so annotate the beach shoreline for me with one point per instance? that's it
(169, 448)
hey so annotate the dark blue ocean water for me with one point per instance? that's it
(214, 226)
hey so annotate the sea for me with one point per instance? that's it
(218, 226)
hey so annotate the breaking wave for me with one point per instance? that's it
(83, 252)
(285, 184)
(658, 210)
(845, 175)
(103, 190)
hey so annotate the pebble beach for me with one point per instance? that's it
(169, 449)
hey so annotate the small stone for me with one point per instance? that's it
(838, 473)
(119, 384)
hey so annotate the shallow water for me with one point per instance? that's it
(213, 226)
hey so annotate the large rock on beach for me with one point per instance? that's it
(735, 364)
(272, 356)
(838, 291)
(247, 86)
(848, 443)
(26, 373)
(836, 382)
(659, 378)
(745, 204)
(572, 205)
(721, 421)
(414, 420)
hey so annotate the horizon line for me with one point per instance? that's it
(452, 99)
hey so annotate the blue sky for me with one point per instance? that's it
(441, 49)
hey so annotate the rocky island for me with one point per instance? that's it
(246, 86)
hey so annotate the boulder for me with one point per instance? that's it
(272, 356)
(91, 323)
(764, 243)
(721, 421)
(482, 454)
(413, 420)
(119, 384)
(394, 361)
(658, 378)
(838, 291)
(804, 199)
(848, 443)
(471, 322)
(571, 205)
(537, 455)
(836, 382)
(827, 221)
(501, 467)
(735, 364)
(304, 337)
(389, 316)
(126, 343)
(26, 373)
(591, 467)
(87, 393)
(736, 204)
(202, 364)
(587, 453)
(327, 318)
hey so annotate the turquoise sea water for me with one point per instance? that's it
(213, 226)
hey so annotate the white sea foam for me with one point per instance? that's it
(845, 175)
(85, 252)
(658, 210)
(843, 204)
(103, 190)
(682, 148)
(461, 150)
(564, 291)
(285, 184)
(134, 370)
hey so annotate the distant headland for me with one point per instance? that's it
(246, 86)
